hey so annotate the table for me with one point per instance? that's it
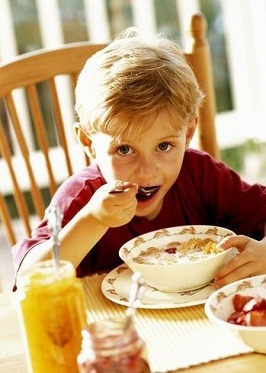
(12, 357)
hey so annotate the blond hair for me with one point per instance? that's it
(133, 78)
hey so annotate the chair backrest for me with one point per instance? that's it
(28, 71)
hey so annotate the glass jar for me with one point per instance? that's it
(108, 348)
(53, 314)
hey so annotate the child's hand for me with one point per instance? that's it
(250, 261)
(114, 209)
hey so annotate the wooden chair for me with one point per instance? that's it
(28, 70)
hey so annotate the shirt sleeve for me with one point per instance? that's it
(70, 197)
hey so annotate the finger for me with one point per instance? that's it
(132, 203)
(131, 186)
(120, 186)
(246, 270)
(124, 202)
(233, 241)
(238, 261)
(126, 214)
(127, 196)
(129, 210)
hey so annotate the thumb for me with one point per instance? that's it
(234, 241)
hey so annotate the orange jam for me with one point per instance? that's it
(53, 313)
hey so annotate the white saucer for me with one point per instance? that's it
(116, 285)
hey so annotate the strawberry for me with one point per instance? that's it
(239, 301)
(171, 250)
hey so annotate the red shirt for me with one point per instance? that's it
(205, 192)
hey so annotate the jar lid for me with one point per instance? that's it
(44, 273)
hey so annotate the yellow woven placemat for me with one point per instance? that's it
(176, 338)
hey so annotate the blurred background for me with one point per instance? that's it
(236, 33)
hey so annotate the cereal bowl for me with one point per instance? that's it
(219, 307)
(172, 259)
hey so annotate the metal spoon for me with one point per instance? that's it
(55, 216)
(136, 290)
(116, 190)
(147, 191)
(140, 190)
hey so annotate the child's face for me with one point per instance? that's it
(151, 159)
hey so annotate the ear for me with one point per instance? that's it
(84, 140)
(191, 130)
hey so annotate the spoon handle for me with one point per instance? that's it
(136, 290)
(112, 191)
(55, 217)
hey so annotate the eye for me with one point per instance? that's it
(124, 150)
(164, 146)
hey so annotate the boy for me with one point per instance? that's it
(137, 104)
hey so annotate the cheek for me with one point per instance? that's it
(124, 163)
(174, 164)
(120, 168)
(111, 169)
(105, 165)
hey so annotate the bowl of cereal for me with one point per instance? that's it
(241, 307)
(178, 258)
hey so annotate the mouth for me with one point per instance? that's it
(145, 193)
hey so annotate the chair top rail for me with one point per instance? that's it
(43, 64)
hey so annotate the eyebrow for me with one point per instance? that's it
(160, 140)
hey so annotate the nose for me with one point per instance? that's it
(147, 168)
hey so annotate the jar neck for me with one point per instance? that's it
(44, 274)
(109, 337)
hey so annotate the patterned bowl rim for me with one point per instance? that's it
(226, 289)
(164, 232)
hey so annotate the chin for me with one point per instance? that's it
(149, 212)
